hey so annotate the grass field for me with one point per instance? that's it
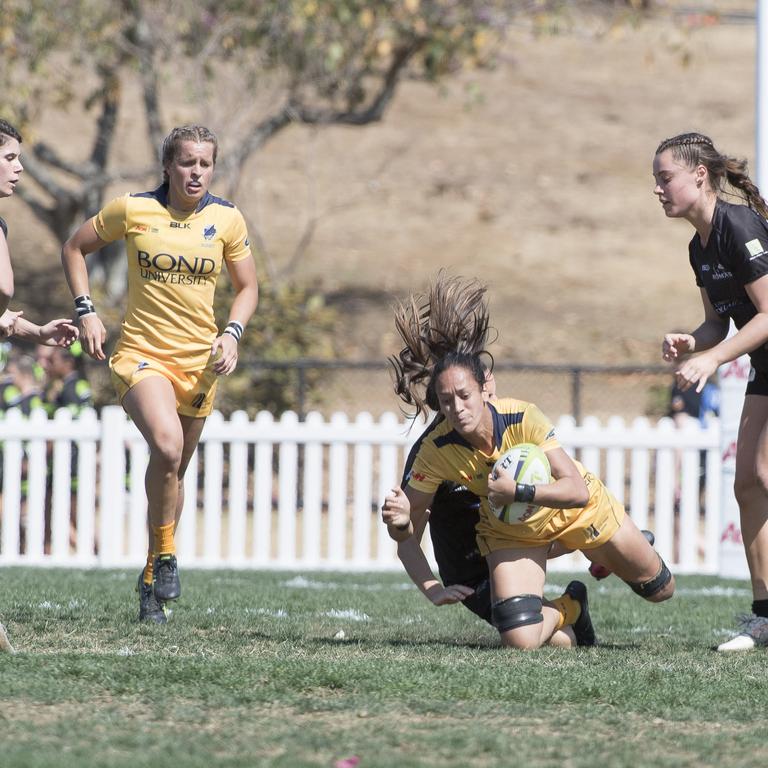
(252, 670)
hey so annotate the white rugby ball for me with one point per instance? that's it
(529, 465)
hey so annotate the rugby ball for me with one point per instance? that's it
(527, 464)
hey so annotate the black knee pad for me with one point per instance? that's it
(518, 611)
(648, 589)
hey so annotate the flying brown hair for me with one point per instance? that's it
(452, 317)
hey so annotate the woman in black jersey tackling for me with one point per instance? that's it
(729, 256)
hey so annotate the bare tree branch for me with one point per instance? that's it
(374, 112)
(146, 45)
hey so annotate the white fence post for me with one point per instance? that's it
(213, 452)
(362, 494)
(337, 494)
(288, 457)
(237, 487)
(86, 488)
(112, 490)
(12, 480)
(262, 492)
(312, 495)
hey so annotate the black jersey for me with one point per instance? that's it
(454, 513)
(4, 227)
(736, 254)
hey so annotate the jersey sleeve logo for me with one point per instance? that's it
(755, 248)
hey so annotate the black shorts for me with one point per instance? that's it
(452, 521)
(480, 601)
(757, 384)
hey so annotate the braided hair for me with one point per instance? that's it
(7, 131)
(448, 324)
(694, 149)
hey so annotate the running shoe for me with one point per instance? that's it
(753, 632)
(166, 573)
(582, 627)
(150, 608)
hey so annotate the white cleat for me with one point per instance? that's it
(742, 642)
(754, 632)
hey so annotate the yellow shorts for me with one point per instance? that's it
(194, 390)
(585, 528)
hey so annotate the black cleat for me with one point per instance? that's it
(150, 608)
(582, 627)
(600, 572)
(166, 578)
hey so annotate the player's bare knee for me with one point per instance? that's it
(513, 614)
(747, 488)
(166, 451)
(522, 641)
(661, 587)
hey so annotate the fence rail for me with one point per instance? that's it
(305, 493)
(580, 389)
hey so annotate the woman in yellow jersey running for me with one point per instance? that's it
(170, 353)
(575, 510)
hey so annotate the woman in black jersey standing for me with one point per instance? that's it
(59, 332)
(729, 256)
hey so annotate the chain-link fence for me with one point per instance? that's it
(577, 390)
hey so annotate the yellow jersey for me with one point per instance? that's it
(446, 455)
(174, 260)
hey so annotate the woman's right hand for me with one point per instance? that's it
(456, 593)
(676, 345)
(396, 509)
(93, 336)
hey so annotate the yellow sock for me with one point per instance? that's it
(148, 568)
(163, 536)
(569, 610)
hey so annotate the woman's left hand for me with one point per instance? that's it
(225, 347)
(695, 371)
(501, 488)
(59, 333)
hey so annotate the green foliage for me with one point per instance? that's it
(41, 40)
(292, 322)
(251, 671)
(658, 400)
(324, 48)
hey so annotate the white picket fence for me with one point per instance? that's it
(266, 493)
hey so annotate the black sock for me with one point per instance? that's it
(760, 608)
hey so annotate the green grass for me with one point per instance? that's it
(250, 672)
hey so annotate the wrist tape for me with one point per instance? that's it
(84, 305)
(525, 492)
(235, 329)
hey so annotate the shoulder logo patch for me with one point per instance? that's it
(755, 248)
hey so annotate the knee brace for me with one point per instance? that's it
(649, 588)
(518, 611)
